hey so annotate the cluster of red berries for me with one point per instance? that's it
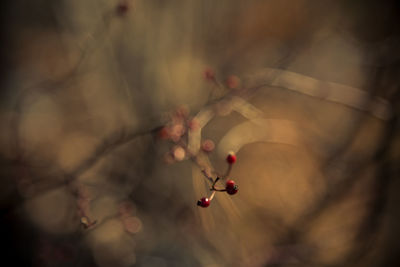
(177, 126)
(231, 82)
(177, 130)
(230, 187)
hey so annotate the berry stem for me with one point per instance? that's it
(216, 180)
(213, 188)
(212, 195)
(228, 171)
(203, 171)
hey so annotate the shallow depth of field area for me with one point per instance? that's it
(200, 133)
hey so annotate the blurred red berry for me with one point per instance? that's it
(194, 124)
(126, 208)
(122, 8)
(176, 132)
(208, 145)
(209, 74)
(231, 158)
(203, 202)
(233, 82)
(164, 133)
(178, 153)
(231, 187)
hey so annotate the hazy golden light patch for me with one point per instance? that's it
(53, 211)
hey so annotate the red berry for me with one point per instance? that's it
(208, 145)
(209, 74)
(122, 8)
(164, 133)
(194, 124)
(176, 132)
(233, 82)
(178, 153)
(203, 202)
(231, 187)
(231, 158)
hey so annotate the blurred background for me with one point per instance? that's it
(306, 93)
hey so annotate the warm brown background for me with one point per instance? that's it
(76, 76)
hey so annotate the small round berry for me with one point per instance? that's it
(132, 224)
(231, 187)
(209, 74)
(208, 145)
(164, 133)
(203, 202)
(233, 82)
(231, 158)
(126, 208)
(178, 153)
(176, 132)
(122, 8)
(194, 124)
